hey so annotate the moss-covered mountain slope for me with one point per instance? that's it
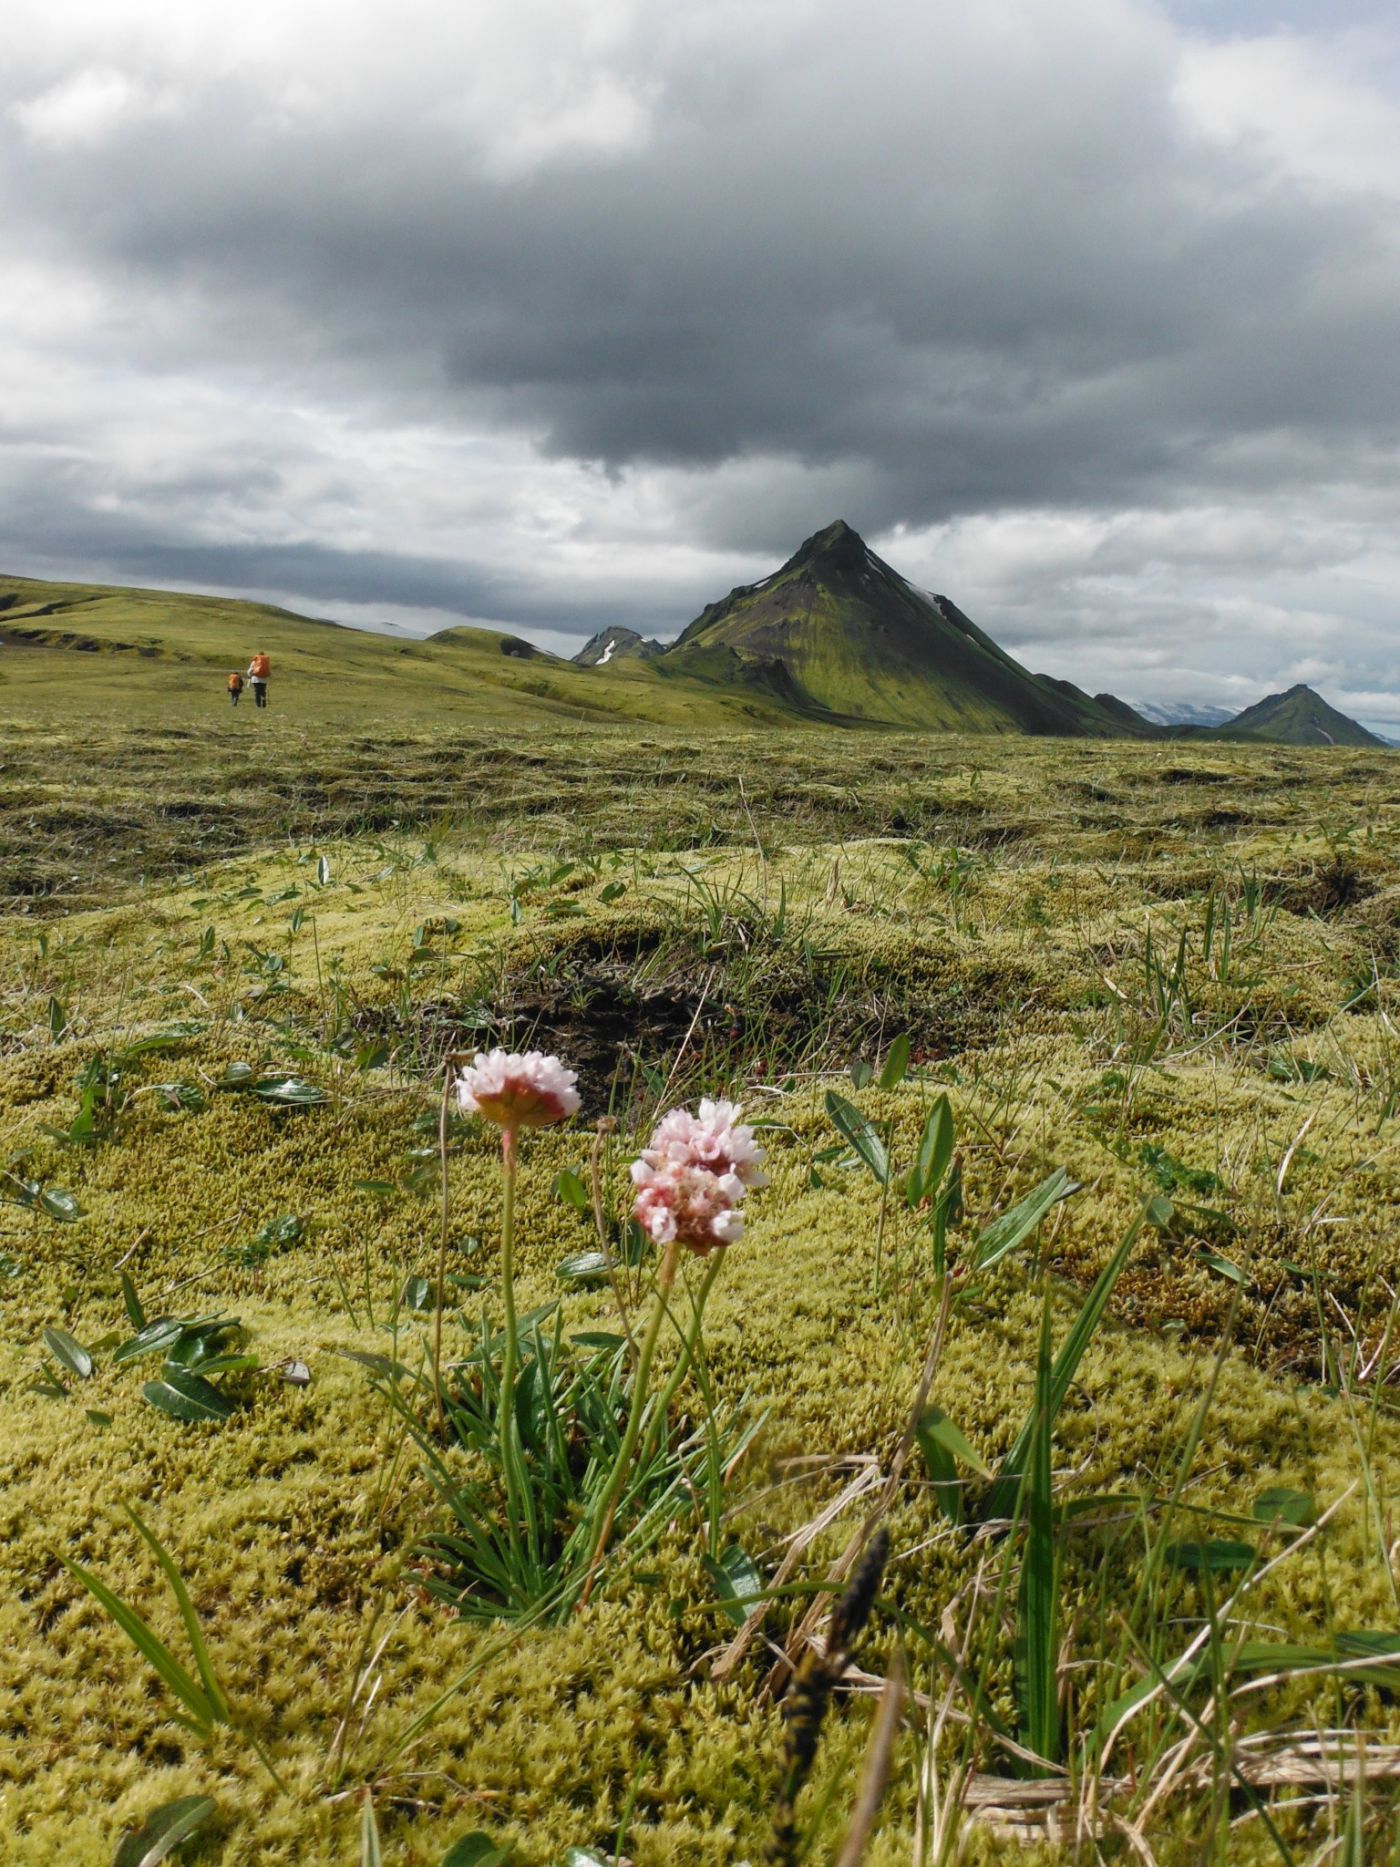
(856, 638)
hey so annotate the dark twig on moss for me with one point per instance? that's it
(817, 1676)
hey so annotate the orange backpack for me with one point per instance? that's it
(235, 683)
(261, 667)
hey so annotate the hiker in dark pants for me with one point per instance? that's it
(258, 670)
(235, 687)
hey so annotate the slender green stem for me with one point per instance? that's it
(509, 1354)
(665, 1277)
(442, 1248)
(689, 1344)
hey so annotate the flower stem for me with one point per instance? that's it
(665, 1277)
(441, 1304)
(509, 1353)
(606, 1126)
(689, 1343)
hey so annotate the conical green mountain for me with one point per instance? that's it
(1298, 718)
(837, 632)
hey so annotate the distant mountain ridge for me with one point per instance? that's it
(840, 634)
(1182, 713)
(834, 636)
(837, 634)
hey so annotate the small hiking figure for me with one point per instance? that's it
(235, 687)
(258, 670)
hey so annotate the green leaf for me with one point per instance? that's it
(58, 1021)
(602, 1339)
(188, 1397)
(571, 1189)
(73, 1355)
(1003, 1235)
(862, 1075)
(475, 1850)
(164, 1830)
(381, 1189)
(861, 1134)
(1367, 1645)
(1211, 1557)
(160, 1336)
(943, 1477)
(154, 1338)
(1297, 1070)
(191, 1355)
(584, 1857)
(47, 1383)
(1279, 1504)
(896, 1063)
(935, 1151)
(203, 1714)
(935, 1426)
(60, 1205)
(159, 1041)
(737, 1582)
(1001, 1498)
(323, 870)
(135, 1314)
(289, 1092)
(371, 1853)
(193, 1632)
(585, 1268)
(1224, 1266)
(419, 1295)
(280, 1232)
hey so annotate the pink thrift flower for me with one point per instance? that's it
(517, 1090)
(715, 1139)
(692, 1178)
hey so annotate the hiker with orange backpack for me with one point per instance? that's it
(258, 670)
(235, 687)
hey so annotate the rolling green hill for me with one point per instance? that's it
(81, 648)
(855, 639)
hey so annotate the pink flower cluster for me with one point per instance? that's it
(692, 1178)
(520, 1090)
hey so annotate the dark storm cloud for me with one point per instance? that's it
(937, 262)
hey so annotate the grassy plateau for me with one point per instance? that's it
(1061, 1349)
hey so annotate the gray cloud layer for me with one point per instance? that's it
(1082, 316)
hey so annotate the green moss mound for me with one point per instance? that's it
(1173, 976)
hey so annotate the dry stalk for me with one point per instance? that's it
(798, 1544)
(841, 1568)
(817, 1676)
(876, 1773)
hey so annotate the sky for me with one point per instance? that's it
(1086, 313)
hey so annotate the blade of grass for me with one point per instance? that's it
(193, 1632)
(1001, 1499)
(204, 1714)
(1037, 1604)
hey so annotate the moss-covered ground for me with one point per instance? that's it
(1172, 972)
